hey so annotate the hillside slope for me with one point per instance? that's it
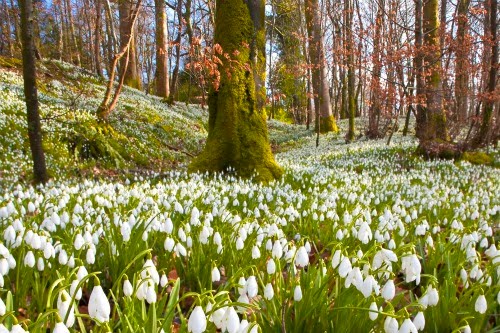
(142, 133)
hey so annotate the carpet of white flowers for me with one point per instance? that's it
(354, 238)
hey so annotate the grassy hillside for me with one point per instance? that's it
(143, 132)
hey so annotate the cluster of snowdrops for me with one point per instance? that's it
(353, 238)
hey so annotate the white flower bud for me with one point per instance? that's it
(197, 322)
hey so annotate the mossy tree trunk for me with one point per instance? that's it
(237, 133)
(431, 123)
(322, 103)
(31, 93)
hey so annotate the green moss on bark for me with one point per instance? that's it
(237, 134)
(327, 124)
(478, 158)
(133, 83)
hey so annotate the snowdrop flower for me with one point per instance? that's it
(197, 322)
(277, 251)
(408, 327)
(90, 257)
(182, 234)
(365, 233)
(419, 321)
(433, 296)
(297, 293)
(18, 329)
(40, 264)
(345, 267)
(81, 273)
(180, 250)
(336, 259)
(251, 286)
(255, 252)
(301, 257)
(163, 280)
(268, 291)
(242, 284)
(195, 217)
(271, 266)
(367, 286)
(99, 308)
(215, 275)
(71, 262)
(231, 321)
(64, 305)
(29, 259)
(204, 234)
(217, 317)
(239, 244)
(388, 290)
(125, 231)
(59, 328)
(149, 270)
(411, 268)
(243, 299)
(492, 251)
(383, 256)
(391, 325)
(79, 242)
(150, 292)
(63, 257)
(128, 289)
(217, 238)
(142, 290)
(169, 244)
(77, 294)
(373, 313)
(481, 305)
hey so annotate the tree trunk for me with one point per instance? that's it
(112, 43)
(462, 61)
(59, 18)
(109, 103)
(483, 135)
(374, 112)
(127, 40)
(161, 77)
(431, 124)
(178, 40)
(75, 54)
(98, 37)
(322, 103)
(237, 131)
(350, 70)
(30, 92)
(7, 40)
